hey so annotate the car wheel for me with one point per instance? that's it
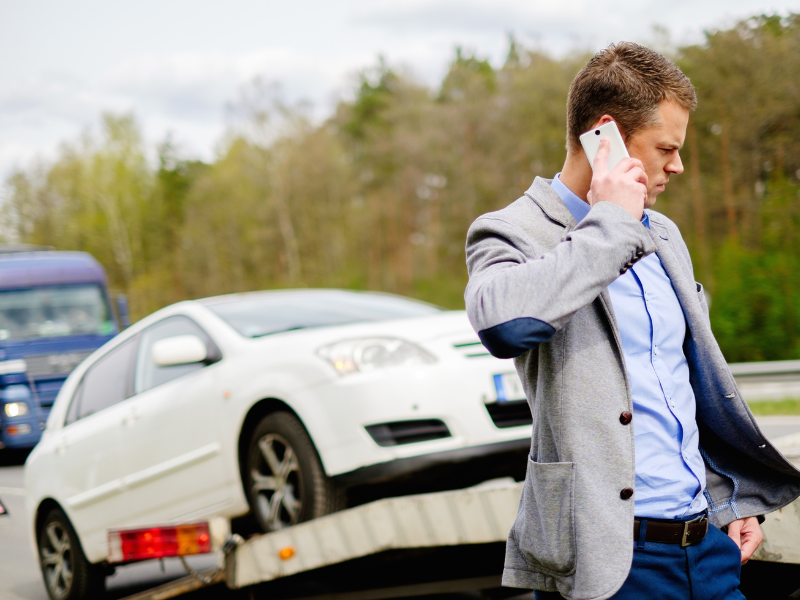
(67, 574)
(284, 478)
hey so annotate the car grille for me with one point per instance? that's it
(407, 432)
(510, 414)
(53, 365)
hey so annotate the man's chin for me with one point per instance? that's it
(651, 198)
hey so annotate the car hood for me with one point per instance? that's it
(445, 326)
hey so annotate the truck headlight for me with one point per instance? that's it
(16, 409)
(369, 354)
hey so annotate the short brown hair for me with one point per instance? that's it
(626, 81)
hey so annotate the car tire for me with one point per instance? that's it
(284, 478)
(67, 574)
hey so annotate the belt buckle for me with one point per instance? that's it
(686, 524)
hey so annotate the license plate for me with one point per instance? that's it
(509, 387)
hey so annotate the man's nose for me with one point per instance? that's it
(675, 165)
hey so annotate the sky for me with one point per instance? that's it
(177, 63)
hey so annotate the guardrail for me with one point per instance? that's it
(773, 380)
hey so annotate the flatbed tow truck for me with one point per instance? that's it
(451, 541)
(407, 546)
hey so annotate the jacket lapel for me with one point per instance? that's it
(681, 277)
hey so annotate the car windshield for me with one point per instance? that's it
(259, 314)
(54, 311)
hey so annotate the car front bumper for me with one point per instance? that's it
(451, 469)
(20, 432)
(357, 422)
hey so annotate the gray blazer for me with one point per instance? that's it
(537, 292)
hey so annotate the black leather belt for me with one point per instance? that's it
(685, 533)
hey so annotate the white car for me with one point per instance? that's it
(286, 405)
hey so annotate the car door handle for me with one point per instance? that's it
(62, 446)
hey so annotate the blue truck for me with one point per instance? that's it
(55, 311)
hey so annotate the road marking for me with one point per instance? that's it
(8, 491)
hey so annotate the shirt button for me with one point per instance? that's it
(625, 417)
(626, 493)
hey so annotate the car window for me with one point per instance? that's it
(148, 374)
(105, 383)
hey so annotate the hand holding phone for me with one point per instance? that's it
(624, 185)
(607, 131)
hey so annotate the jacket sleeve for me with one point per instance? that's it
(516, 302)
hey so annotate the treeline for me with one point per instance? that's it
(381, 194)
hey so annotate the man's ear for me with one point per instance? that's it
(605, 119)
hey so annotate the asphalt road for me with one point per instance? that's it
(20, 578)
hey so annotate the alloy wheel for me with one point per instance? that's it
(56, 556)
(276, 482)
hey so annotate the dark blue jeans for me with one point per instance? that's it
(708, 571)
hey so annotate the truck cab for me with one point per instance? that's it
(54, 312)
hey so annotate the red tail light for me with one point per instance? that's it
(158, 542)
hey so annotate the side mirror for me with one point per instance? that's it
(3, 510)
(179, 350)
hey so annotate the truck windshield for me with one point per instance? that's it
(54, 311)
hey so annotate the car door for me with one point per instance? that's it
(172, 456)
(87, 456)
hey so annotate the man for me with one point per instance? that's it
(640, 435)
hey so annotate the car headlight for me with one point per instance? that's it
(369, 354)
(16, 409)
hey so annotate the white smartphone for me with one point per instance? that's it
(591, 143)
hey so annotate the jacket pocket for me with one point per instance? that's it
(545, 526)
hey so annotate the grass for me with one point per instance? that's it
(787, 406)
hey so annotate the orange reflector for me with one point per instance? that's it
(18, 429)
(158, 542)
(286, 553)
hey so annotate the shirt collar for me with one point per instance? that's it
(577, 207)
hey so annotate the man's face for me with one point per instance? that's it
(658, 147)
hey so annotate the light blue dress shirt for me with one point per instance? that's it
(670, 473)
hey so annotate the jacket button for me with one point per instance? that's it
(639, 254)
(625, 418)
(629, 265)
(626, 493)
(623, 270)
